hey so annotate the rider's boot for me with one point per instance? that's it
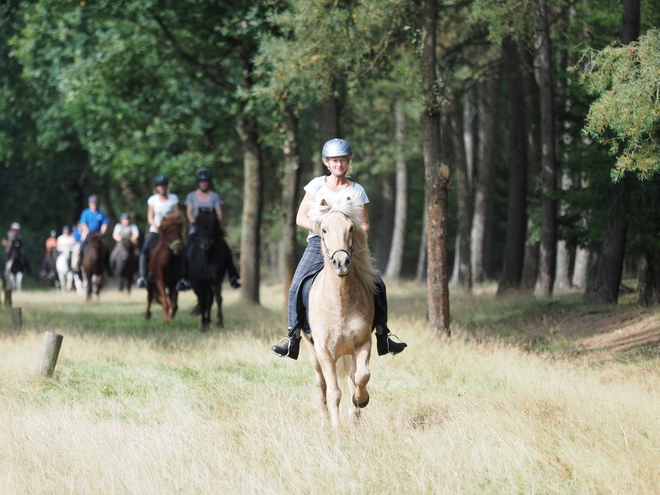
(182, 285)
(141, 282)
(289, 346)
(384, 344)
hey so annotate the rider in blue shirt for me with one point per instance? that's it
(92, 220)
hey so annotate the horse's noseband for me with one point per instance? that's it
(331, 257)
(175, 245)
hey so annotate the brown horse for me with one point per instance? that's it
(165, 266)
(341, 306)
(93, 263)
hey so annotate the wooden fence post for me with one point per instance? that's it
(52, 344)
(7, 298)
(17, 319)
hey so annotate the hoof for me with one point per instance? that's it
(360, 406)
(219, 325)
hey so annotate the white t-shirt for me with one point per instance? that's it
(125, 231)
(318, 188)
(161, 208)
(65, 243)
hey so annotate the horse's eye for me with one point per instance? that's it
(323, 231)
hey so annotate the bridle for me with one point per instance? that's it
(331, 257)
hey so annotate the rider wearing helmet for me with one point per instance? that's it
(13, 234)
(159, 205)
(337, 155)
(204, 197)
(92, 220)
(124, 229)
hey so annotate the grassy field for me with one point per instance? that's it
(524, 398)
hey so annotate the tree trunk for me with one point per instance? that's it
(548, 246)
(463, 279)
(290, 186)
(605, 287)
(328, 126)
(580, 268)
(514, 247)
(252, 201)
(387, 198)
(488, 99)
(606, 282)
(420, 274)
(436, 180)
(533, 122)
(395, 261)
(562, 273)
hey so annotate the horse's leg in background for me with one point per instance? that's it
(205, 301)
(90, 285)
(18, 281)
(321, 386)
(164, 300)
(99, 284)
(174, 301)
(218, 302)
(150, 298)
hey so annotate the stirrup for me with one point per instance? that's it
(277, 348)
(399, 346)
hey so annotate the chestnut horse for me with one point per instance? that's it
(165, 266)
(93, 263)
(341, 305)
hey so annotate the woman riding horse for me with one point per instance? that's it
(205, 198)
(337, 156)
(159, 205)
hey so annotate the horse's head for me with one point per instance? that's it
(337, 224)
(170, 231)
(207, 227)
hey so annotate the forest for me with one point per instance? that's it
(499, 141)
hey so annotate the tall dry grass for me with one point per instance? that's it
(139, 407)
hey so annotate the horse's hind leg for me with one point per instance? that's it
(321, 386)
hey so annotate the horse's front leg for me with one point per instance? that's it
(358, 378)
(218, 301)
(150, 298)
(333, 392)
(174, 299)
(164, 300)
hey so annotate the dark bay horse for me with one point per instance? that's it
(49, 273)
(15, 265)
(93, 263)
(124, 264)
(207, 262)
(165, 266)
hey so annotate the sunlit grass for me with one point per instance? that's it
(138, 406)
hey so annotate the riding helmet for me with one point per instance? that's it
(15, 226)
(203, 175)
(65, 229)
(53, 233)
(336, 147)
(93, 199)
(125, 215)
(161, 180)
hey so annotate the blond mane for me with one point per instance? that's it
(362, 262)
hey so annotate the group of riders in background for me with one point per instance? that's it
(62, 262)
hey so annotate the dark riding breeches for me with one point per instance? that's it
(149, 243)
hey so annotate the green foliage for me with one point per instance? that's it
(626, 114)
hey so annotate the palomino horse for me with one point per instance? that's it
(15, 264)
(124, 264)
(165, 266)
(93, 263)
(207, 264)
(341, 305)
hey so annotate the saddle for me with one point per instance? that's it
(302, 301)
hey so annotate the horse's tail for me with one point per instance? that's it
(344, 364)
